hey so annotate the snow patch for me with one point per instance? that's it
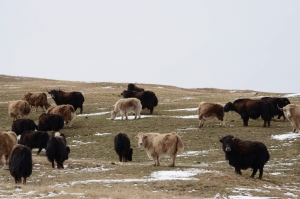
(286, 136)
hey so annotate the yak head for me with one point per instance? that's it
(287, 109)
(53, 92)
(227, 143)
(228, 107)
(127, 94)
(140, 138)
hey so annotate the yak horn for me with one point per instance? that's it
(279, 108)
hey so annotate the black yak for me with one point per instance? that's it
(57, 150)
(75, 99)
(21, 125)
(245, 154)
(134, 87)
(278, 101)
(122, 147)
(248, 108)
(50, 122)
(35, 139)
(20, 163)
(148, 98)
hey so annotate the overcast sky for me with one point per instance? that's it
(191, 44)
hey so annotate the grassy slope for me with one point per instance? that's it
(93, 158)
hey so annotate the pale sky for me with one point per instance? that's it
(191, 44)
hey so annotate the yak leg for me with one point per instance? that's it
(155, 160)
(201, 121)
(40, 149)
(238, 171)
(52, 164)
(24, 181)
(151, 111)
(124, 159)
(245, 120)
(254, 172)
(81, 109)
(120, 158)
(135, 115)
(172, 161)
(261, 170)
(6, 159)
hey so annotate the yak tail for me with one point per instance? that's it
(155, 101)
(180, 145)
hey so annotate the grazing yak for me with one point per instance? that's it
(66, 111)
(148, 98)
(160, 145)
(37, 100)
(50, 122)
(57, 150)
(248, 108)
(21, 125)
(75, 99)
(20, 163)
(245, 154)
(125, 106)
(122, 147)
(35, 139)
(7, 142)
(208, 111)
(134, 87)
(19, 108)
(278, 101)
(292, 113)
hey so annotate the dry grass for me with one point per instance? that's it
(93, 162)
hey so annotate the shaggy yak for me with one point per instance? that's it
(20, 163)
(245, 154)
(122, 147)
(248, 108)
(148, 98)
(57, 150)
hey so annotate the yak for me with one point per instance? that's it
(245, 154)
(278, 101)
(20, 163)
(248, 108)
(57, 150)
(19, 108)
(50, 122)
(21, 125)
(75, 98)
(35, 139)
(292, 112)
(134, 87)
(122, 147)
(37, 100)
(148, 98)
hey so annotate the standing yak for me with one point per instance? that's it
(75, 99)
(248, 108)
(245, 154)
(148, 98)
(57, 150)
(278, 101)
(20, 163)
(122, 147)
